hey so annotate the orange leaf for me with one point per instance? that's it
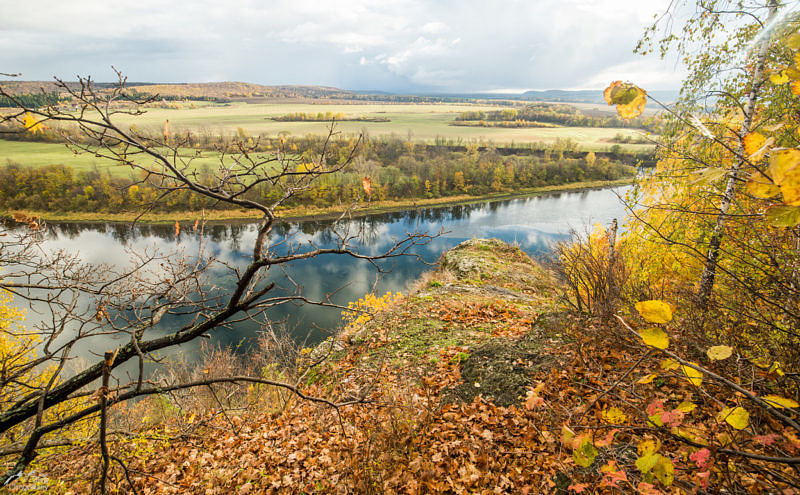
(753, 143)
(366, 182)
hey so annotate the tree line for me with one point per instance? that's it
(35, 100)
(407, 172)
(326, 117)
(566, 115)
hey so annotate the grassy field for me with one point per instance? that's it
(40, 154)
(419, 122)
(423, 122)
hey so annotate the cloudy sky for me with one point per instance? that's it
(390, 45)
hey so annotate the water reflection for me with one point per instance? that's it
(533, 223)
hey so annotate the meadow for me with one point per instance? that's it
(35, 154)
(418, 122)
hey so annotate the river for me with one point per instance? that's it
(533, 223)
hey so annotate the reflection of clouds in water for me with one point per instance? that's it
(535, 223)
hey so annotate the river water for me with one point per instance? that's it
(533, 223)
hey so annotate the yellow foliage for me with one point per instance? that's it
(782, 163)
(719, 352)
(629, 99)
(737, 417)
(654, 337)
(655, 311)
(779, 402)
(359, 312)
(32, 124)
(760, 186)
(614, 415)
(753, 143)
(694, 376)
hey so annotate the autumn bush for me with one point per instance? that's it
(598, 272)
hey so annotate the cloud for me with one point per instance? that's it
(395, 45)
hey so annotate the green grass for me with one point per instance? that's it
(34, 154)
(422, 122)
(42, 154)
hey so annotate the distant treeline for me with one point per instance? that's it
(503, 123)
(399, 170)
(326, 117)
(555, 114)
(31, 100)
(389, 98)
(621, 139)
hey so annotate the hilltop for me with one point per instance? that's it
(478, 380)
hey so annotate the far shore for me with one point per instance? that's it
(303, 213)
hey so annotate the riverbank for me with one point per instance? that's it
(310, 213)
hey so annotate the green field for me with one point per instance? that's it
(419, 122)
(422, 122)
(40, 154)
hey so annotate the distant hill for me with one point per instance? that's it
(210, 91)
(232, 90)
(586, 95)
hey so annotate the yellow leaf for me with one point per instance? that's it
(607, 92)
(655, 419)
(647, 379)
(669, 364)
(719, 352)
(32, 124)
(779, 78)
(760, 186)
(793, 73)
(753, 143)
(191, 419)
(648, 446)
(686, 407)
(790, 189)
(614, 415)
(737, 417)
(629, 99)
(776, 368)
(567, 435)
(585, 454)
(654, 311)
(779, 402)
(783, 216)
(654, 337)
(634, 109)
(790, 186)
(710, 174)
(782, 162)
(664, 470)
(793, 41)
(694, 376)
(647, 462)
